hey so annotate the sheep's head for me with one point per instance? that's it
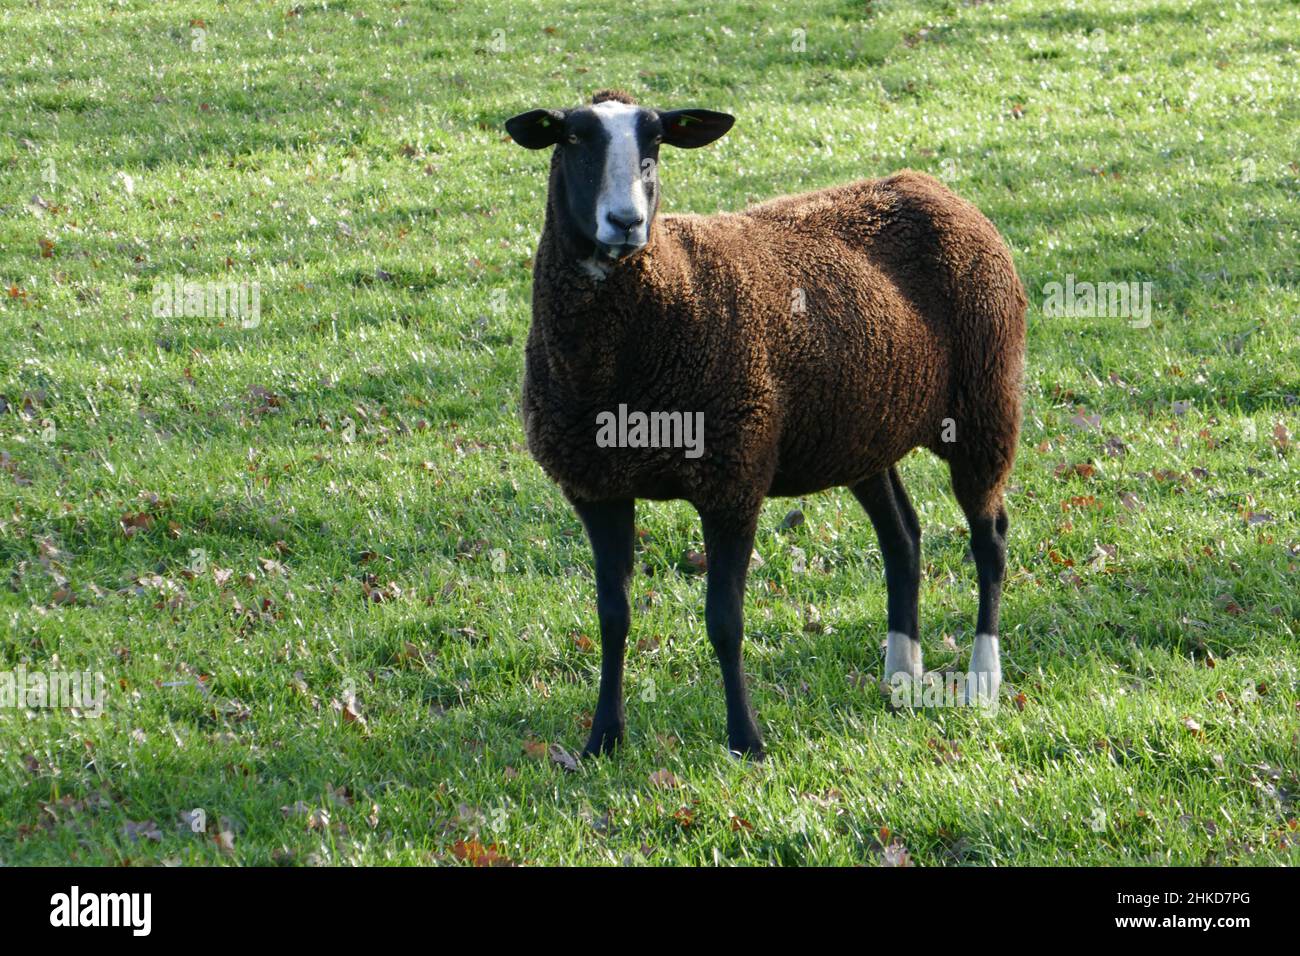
(604, 174)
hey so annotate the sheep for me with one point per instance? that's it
(821, 337)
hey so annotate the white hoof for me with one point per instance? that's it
(984, 679)
(902, 656)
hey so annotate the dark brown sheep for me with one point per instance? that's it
(822, 337)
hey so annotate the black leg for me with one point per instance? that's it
(728, 544)
(980, 497)
(899, 532)
(988, 541)
(611, 527)
(988, 537)
(905, 506)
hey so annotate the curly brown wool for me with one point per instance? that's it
(823, 336)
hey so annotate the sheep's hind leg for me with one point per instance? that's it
(728, 545)
(988, 539)
(899, 532)
(611, 528)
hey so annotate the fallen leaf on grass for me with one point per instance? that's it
(1102, 554)
(945, 751)
(270, 566)
(134, 522)
(562, 757)
(350, 710)
(1287, 836)
(412, 654)
(890, 850)
(224, 838)
(1085, 421)
(1080, 501)
(476, 854)
(377, 593)
(695, 561)
(1113, 447)
(1281, 440)
(895, 855)
(664, 780)
(536, 749)
(1229, 605)
(1083, 469)
(143, 830)
(262, 401)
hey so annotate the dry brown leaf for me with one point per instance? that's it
(476, 854)
(664, 780)
(536, 749)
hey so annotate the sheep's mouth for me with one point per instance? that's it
(619, 251)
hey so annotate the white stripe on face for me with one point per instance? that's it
(622, 194)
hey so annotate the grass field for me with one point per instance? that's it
(340, 611)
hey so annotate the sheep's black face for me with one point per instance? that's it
(606, 182)
(608, 160)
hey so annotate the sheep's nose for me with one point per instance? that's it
(624, 221)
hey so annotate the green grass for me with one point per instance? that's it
(349, 157)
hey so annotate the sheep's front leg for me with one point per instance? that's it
(611, 527)
(728, 544)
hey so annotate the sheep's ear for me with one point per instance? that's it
(536, 129)
(690, 129)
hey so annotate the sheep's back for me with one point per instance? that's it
(853, 352)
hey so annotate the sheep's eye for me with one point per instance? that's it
(657, 140)
(573, 138)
